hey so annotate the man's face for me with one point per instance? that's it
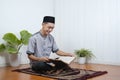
(47, 28)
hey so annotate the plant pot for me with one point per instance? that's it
(14, 60)
(82, 60)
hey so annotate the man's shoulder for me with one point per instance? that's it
(50, 36)
(35, 35)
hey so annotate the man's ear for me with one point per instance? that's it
(43, 24)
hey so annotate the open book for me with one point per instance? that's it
(66, 59)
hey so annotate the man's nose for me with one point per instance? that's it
(50, 30)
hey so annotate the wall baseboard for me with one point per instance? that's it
(94, 62)
(4, 65)
(102, 62)
(105, 62)
(7, 64)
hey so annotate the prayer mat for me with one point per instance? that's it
(73, 74)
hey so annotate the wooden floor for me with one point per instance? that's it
(113, 72)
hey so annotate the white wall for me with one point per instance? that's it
(16, 15)
(92, 24)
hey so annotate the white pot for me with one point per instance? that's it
(82, 60)
(14, 60)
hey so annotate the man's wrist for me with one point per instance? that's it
(38, 59)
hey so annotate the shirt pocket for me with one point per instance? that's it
(49, 48)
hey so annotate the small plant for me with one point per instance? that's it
(12, 43)
(84, 53)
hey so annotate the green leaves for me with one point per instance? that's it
(2, 47)
(84, 53)
(25, 35)
(13, 44)
(12, 49)
(11, 38)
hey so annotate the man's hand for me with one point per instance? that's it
(45, 59)
(61, 53)
(32, 57)
(71, 55)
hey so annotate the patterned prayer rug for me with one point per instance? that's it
(73, 74)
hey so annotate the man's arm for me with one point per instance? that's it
(61, 53)
(32, 57)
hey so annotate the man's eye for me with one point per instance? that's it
(50, 27)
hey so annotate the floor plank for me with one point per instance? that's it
(113, 72)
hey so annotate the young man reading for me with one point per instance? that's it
(41, 44)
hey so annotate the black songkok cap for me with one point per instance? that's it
(49, 19)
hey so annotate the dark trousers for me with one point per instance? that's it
(41, 67)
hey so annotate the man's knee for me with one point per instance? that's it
(40, 66)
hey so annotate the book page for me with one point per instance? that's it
(66, 59)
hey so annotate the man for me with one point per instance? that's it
(41, 44)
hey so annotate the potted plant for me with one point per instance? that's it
(83, 55)
(12, 45)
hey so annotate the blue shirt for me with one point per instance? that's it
(41, 46)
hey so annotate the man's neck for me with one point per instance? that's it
(42, 33)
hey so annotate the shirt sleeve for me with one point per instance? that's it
(31, 46)
(54, 48)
